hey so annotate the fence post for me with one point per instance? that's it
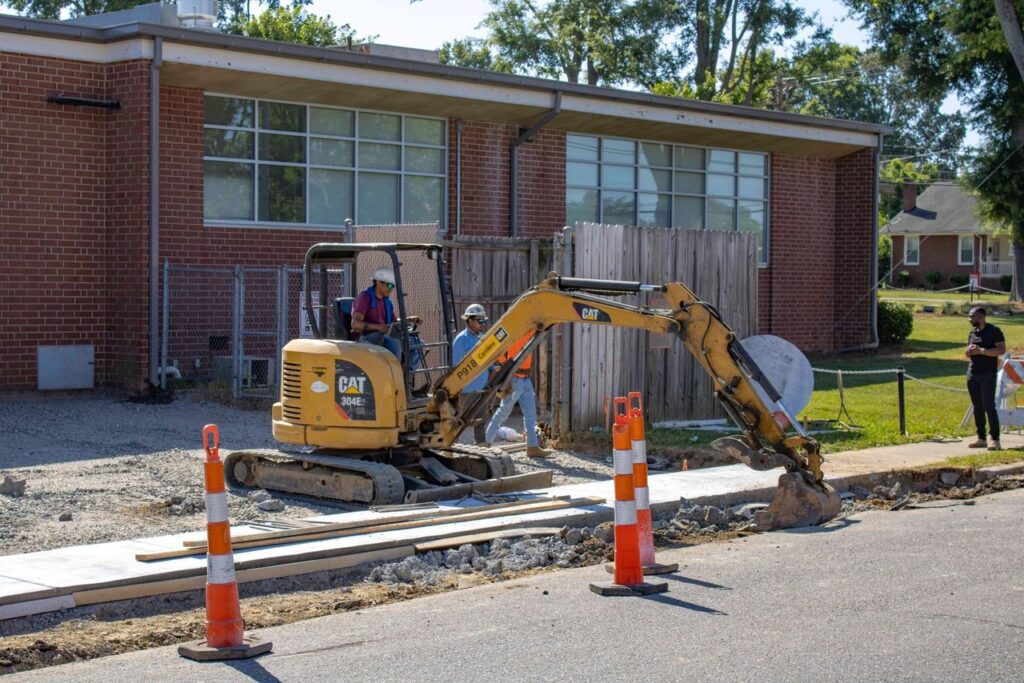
(900, 372)
(237, 311)
(565, 423)
(165, 325)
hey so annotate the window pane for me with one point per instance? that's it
(617, 176)
(229, 143)
(327, 152)
(618, 208)
(227, 190)
(653, 209)
(423, 159)
(690, 183)
(752, 187)
(282, 194)
(751, 219)
(375, 155)
(229, 111)
(380, 126)
(913, 248)
(721, 214)
(688, 212)
(653, 179)
(752, 164)
(279, 116)
(332, 122)
(722, 161)
(621, 151)
(690, 157)
(330, 196)
(966, 249)
(654, 154)
(282, 147)
(423, 199)
(577, 173)
(424, 131)
(580, 205)
(378, 198)
(721, 184)
(580, 147)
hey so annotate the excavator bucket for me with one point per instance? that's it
(797, 503)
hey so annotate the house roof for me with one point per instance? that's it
(942, 209)
(229, 64)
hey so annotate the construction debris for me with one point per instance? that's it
(12, 487)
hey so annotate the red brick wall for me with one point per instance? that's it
(485, 180)
(796, 290)
(854, 206)
(938, 253)
(53, 203)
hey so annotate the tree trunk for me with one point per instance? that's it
(1017, 288)
(1010, 22)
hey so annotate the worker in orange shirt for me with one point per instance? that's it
(520, 391)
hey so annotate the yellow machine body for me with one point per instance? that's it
(339, 395)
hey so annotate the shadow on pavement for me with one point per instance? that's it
(252, 669)
(694, 582)
(676, 602)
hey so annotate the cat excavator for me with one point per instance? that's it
(364, 425)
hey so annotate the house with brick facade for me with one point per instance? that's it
(940, 233)
(131, 138)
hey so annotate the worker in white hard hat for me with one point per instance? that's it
(373, 313)
(476, 323)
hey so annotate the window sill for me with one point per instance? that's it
(274, 226)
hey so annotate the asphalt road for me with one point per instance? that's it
(917, 595)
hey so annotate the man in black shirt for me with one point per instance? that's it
(985, 344)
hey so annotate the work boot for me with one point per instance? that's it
(538, 452)
(977, 443)
(994, 445)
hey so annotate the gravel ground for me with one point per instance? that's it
(99, 468)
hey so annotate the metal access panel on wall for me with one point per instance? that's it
(66, 367)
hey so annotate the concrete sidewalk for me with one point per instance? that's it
(64, 578)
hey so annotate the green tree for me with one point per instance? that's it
(598, 42)
(898, 173)
(52, 9)
(293, 25)
(963, 45)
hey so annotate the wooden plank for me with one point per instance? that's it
(342, 533)
(142, 590)
(432, 512)
(456, 541)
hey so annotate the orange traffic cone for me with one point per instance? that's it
(645, 525)
(225, 632)
(629, 575)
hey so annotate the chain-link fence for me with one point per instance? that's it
(227, 326)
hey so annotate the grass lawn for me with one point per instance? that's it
(934, 353)
(927, 297)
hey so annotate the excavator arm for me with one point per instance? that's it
(746, 395)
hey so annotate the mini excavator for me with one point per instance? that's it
(377, 429)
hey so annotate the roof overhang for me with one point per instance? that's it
(228, 64)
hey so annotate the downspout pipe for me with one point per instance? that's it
(154, 206)
(513, 176)
(874, 343)
(458, 178)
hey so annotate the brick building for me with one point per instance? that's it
(126, 136)
(940, 234)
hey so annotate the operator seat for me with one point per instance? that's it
(343, 316)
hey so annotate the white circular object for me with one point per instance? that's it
(786, 367)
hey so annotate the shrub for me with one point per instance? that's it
(1005, 282)
(903, 278)
(934, 277)
(959, 280)
(895, 322)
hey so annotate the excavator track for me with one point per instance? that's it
(323, 476)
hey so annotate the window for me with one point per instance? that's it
(966, 251)
(911, 250)
(287, 163)
(636, 182)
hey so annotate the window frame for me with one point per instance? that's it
(959, 250)
(906, 250)
(255, 162)
(672, 193)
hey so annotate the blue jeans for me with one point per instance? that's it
(392, 345)
(521, 392)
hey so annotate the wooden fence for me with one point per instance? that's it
(720, 267)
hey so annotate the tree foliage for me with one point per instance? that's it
(961, 44)
(293, 25)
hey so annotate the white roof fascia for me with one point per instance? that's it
(79, 50)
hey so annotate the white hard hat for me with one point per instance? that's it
(385, 275)
(474, 311)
